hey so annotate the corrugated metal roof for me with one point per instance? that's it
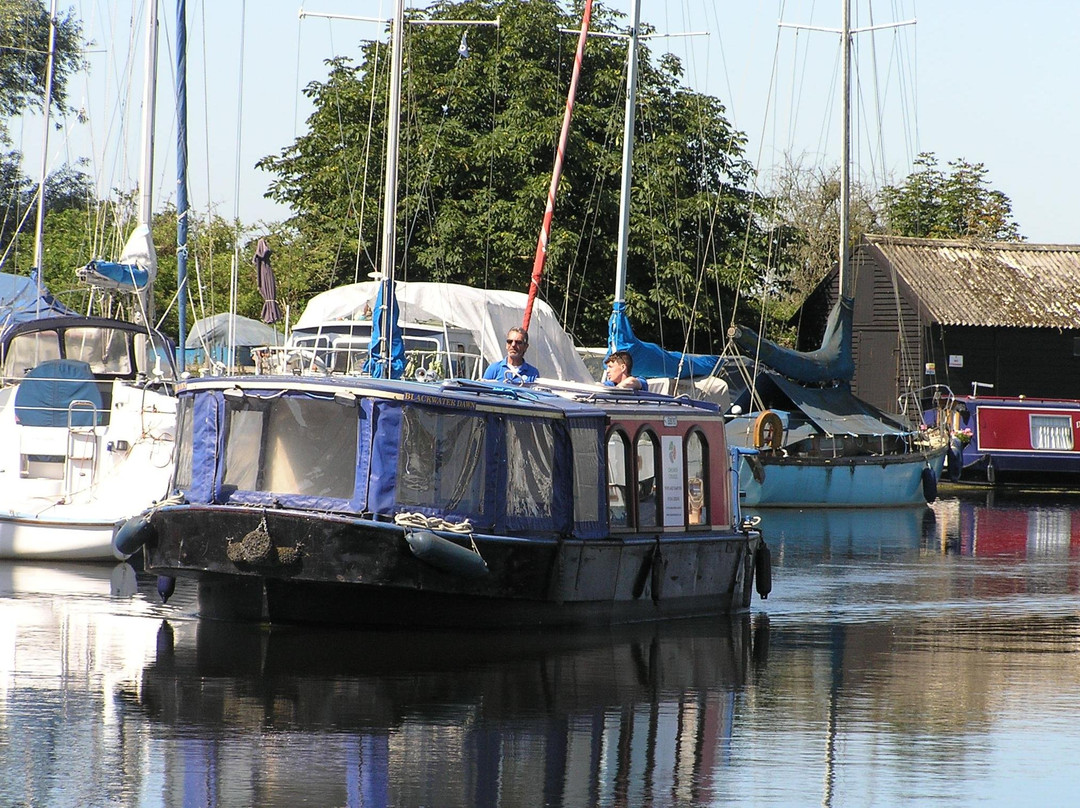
(989, 283)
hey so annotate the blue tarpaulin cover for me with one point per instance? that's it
(44, 394)
(376, 363)
(19, 301)
(650, 360)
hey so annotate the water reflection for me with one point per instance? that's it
(265, 716)
(900, 660)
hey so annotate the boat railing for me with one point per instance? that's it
(430, 363)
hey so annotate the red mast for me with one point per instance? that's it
(549, 211)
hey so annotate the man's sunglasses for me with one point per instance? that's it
(516, 342)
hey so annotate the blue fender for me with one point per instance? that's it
(133, 534)
(446, 555)
(929, 484)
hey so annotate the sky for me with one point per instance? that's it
(986, 81)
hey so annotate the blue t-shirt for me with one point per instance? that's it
(644, 384)
(502, 371)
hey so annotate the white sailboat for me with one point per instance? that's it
(87, 410)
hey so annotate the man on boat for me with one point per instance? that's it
(513, 368)
(618, 372)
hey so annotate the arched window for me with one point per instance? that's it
(697, 478)
(647, 468)
(620, 501)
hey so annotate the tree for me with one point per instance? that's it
(804, 204)
(24, 50)
(931, 203)
(478, 145)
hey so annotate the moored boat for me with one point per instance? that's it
(370, 501)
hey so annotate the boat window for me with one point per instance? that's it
(586, 473)
(185, 429)
(104, 349)
(153, 357)
(647, 464)
(27, 351)
(292, 445)
(618, 461)
(530, 478)
(441, 460)
(697, 483)
(1053, 432)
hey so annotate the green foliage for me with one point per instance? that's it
(24, 48)
(477, 150)
(931, 203)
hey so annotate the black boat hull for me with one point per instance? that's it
(296, 566)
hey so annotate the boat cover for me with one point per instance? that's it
(487, 313)
(20, 303)
(831, 362)
(211, 332)
(376, 362)
(133, 272)
(43, 396)
(834, 410)
(652, 361)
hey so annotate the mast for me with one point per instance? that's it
(393, 129)
(627, 153)
(181, 178)
(39, 228)
(146, 166)
(556, 174)
(847, 289)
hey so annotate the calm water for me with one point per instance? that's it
(907, 658)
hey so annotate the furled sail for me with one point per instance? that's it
(650, 360)
(832, 362)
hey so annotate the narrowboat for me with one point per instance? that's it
(367, 501)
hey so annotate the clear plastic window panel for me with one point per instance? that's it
(104, 349)
(441, 461)
(1052, 432)
(586, 474)
(310, 448)
(153, 357)
(28, 351)
(530, 448)
(185, 428)
(618, 493)
(242, 448)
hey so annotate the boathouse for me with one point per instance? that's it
(1001, 315)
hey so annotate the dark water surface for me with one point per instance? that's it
(904, 658)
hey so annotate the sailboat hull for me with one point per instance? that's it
(777, 481)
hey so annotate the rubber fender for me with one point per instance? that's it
(133, 534)
(954, 459)
(446, 555)
(763, 571)
(929, 484)
(165, 587)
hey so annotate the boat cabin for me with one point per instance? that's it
(521, 461)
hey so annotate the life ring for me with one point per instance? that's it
(768, 431)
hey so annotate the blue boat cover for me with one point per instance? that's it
(652, 361)
(43, 395)
(19, 301)
(376, 362)
(831, 362)
(111, 275)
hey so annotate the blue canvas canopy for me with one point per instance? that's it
(652, 361)
(834, 410)
(20, 303)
